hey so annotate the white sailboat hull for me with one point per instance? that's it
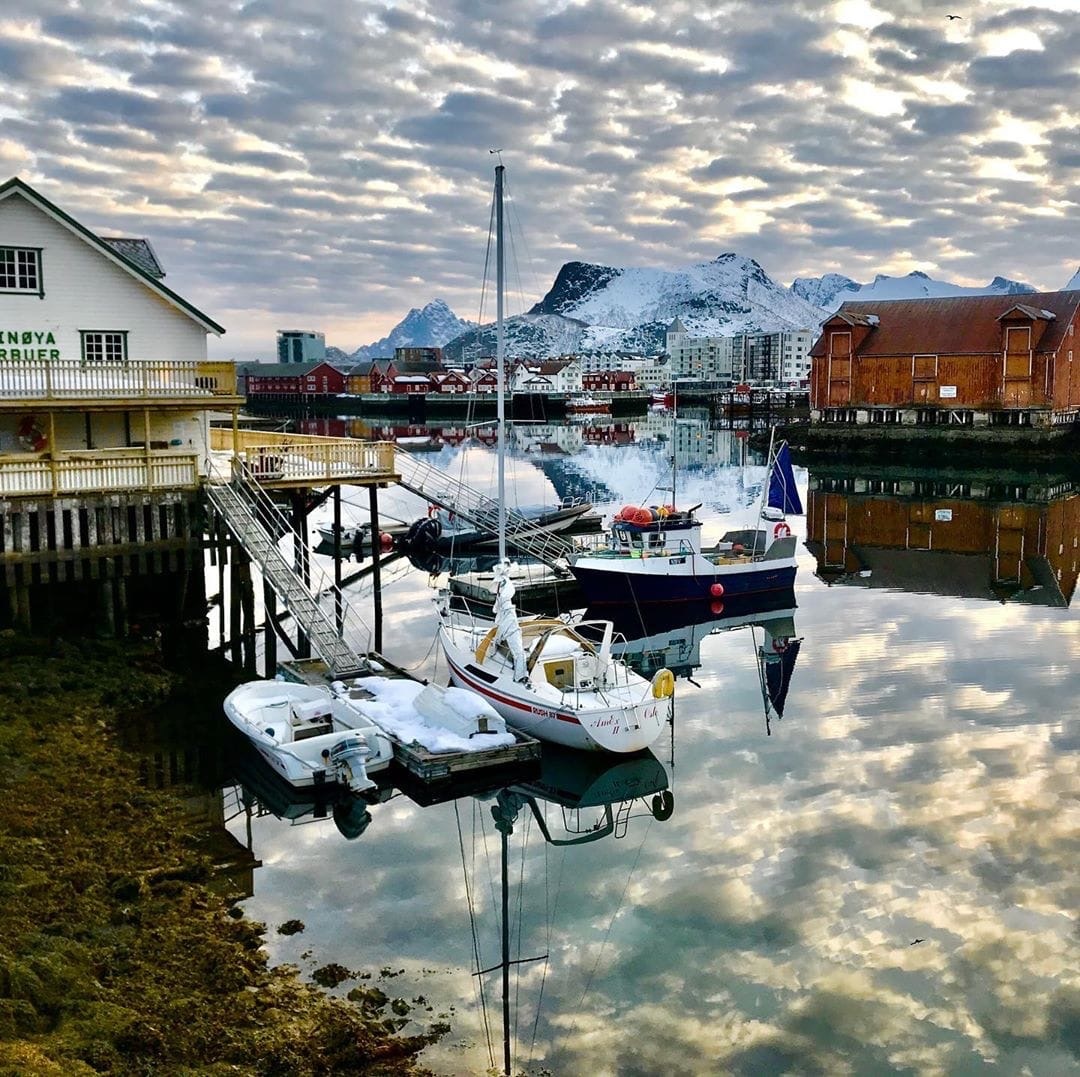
(626, 718)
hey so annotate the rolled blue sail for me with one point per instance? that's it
(783, 494)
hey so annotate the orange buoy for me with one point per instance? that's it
(717, 590)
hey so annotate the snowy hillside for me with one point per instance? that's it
(830, 291)
(731, 294)
(429, 327)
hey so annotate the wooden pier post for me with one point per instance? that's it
(269, 632)
(235, 655)
(301, 561)
(247, 613)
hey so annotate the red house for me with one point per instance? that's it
(276, 380)
(324, 379)
(450, 381)
(615, 381)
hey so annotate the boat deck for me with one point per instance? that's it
(422, 765)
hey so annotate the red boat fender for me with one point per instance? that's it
(717, 590)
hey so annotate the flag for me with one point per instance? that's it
(778, 670)
(783, 494)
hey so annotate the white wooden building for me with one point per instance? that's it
(104, 379)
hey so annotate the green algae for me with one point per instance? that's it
(118, 956)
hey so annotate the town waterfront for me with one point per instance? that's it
(881, 879)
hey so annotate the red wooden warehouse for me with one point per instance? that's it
(975, 360)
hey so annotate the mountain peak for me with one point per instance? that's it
(430, 326)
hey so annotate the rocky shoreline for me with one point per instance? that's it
(117, 955)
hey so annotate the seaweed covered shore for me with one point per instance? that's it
(117, 955)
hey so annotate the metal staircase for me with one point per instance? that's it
(522, 534)
(318, 606)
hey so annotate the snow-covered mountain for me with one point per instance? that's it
(1074, 284)
(594, 308)
(428, 327)
(830, 291)
(605, 308)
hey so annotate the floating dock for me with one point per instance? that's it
(422, 765)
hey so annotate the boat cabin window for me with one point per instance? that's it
(637, 540)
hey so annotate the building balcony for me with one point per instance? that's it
(282, 461)
(96, 471)
(73, 384)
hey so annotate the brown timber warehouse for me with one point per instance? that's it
(971, 360)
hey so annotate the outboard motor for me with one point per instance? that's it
(349, 759)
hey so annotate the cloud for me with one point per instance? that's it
(355, 139)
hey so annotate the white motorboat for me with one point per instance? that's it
(308, 735)
(543, 675)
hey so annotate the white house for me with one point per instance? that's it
(97, 353)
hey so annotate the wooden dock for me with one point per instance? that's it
(423, 766)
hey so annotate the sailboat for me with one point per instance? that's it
(654, 554)
(552, 679)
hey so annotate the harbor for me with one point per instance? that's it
(589, 736)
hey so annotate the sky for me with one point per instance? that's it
(325, 165)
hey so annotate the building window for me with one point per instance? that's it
(20, 270)
(104, 346)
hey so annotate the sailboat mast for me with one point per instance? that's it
(506, 954)
(500, 354)
(674, 438)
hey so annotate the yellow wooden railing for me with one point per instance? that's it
(96, 471)
(25, 381)
(306, 457)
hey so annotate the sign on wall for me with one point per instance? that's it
(947, 391)
(27, 344)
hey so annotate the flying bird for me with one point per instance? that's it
(954, 16)
(915, 942)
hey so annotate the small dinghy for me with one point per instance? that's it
(307, 735)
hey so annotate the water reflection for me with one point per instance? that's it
(616, 789)
(927, 791)
(969, 538)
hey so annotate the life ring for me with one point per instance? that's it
(780, 645)
(663, 684)
(781, 530)
(30, 434)
(432, 511)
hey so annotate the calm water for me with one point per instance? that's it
(887, 882)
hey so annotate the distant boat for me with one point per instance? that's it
(446, 531)
(309, 737)
(654, 554)
(583, 405)
(349, 536)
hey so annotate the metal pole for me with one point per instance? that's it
(376, 559)
(506, 954)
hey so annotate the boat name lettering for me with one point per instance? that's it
(543, 712)
(676, 561)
